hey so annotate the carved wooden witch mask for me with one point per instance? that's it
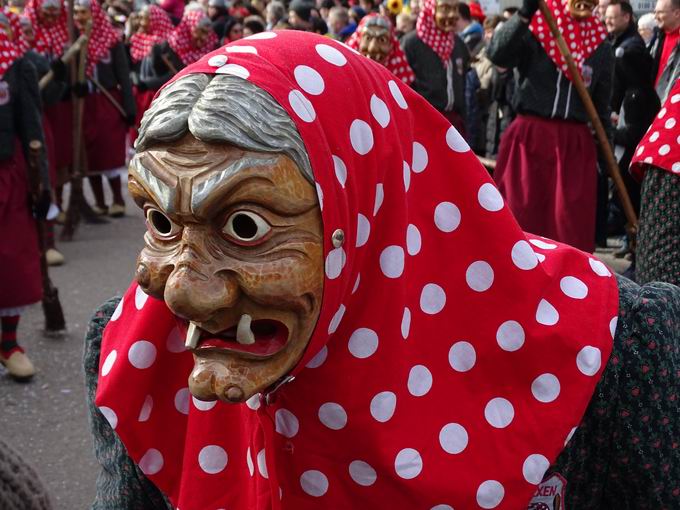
(233, 242)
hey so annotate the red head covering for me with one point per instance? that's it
(476, 12)
(19, 41)
(661, 145)
(102, 38)
(10, 50)
(160, 28)
(396, 60)
(440, 41)
(180, 40)
(453, 354)
(583, 37)
(50, 40)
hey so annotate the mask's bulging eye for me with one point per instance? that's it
(246, 227)
(160, 225)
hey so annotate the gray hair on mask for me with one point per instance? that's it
(223, 109)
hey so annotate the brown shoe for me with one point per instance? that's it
(18, 365)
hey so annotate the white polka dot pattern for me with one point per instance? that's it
(433, 294)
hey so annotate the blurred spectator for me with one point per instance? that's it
(601, 9)
(469, 30)
(356, 14)
(325, 9)
(476, 12)
(484, 69)
(368, 6)
(253, 25)
(405, 23)
(339, 24)
(239, 10)
(219, 15)
(319, 26)
(233, 31)
(299, 14)
(275, 12)
(414, 8)
(634, 102)
(666, 50)
(175, 8)
(647, 27)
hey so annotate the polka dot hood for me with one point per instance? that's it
(453, 356)
(661, 144)
(582, 37)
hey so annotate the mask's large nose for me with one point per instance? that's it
(199, 286)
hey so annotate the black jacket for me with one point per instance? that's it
(431, 77)
(633, 94)
(671, 72)
(113, 72)
(543, 90)
(20, 112)
(161, 53)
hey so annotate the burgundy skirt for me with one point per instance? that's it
(547, 172)
(142, 101)
(104, 131)
(60, 117)
(20, 279)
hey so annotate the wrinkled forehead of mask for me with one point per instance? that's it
(86, 4)
(378, 22)
(51, 4)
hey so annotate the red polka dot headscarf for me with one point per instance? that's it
(103, 36)
(661, 145)
(440, 41)
(396, 61)
(582, 36)
(10, 51)
(49, 40)
(160, 28)
(453, 356)
(181, 41)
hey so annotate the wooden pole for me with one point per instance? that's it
(600, 133)
(65, 58)
(108, 96)
(55, 325)
(77, 199)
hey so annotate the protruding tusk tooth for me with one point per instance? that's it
(244, 334)
(193, 335)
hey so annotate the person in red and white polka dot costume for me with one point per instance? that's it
(453, 355)
(657, 164)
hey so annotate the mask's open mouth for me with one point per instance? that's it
(260, 338)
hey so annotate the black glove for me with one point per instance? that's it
(59, 70)
(80, 89)
(529, 7)
(41, 204)
(130, 119)
(141, 86)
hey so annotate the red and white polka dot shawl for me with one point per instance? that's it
(454, 354)
(49, 40)
(181, 42)
(661, 145)
(396, 61)
(102, 38)
(582, 37)
(438, 40)
(160, 28)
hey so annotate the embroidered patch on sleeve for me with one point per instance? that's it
(549, 494)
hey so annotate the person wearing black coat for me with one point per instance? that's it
(634, 102)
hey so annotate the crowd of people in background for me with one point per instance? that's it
(495, 82)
